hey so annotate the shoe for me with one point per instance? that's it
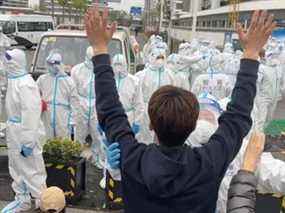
(102, 183)
(17, 207)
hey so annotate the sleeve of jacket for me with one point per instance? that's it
(235, 122)
(112, 116)
(242, 193)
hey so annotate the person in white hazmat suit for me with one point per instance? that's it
(180, 67)
(153, 40)
(268, 90)
(58, 91)
(130, 93)
(154, 76)
(131, 97)
(86, 120)
(24, 131)
(214, 82)
(5, 43)
(231, 63)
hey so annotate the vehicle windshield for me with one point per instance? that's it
(72, 49)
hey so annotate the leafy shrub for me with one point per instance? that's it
(61, 151)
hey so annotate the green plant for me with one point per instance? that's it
(61, 151)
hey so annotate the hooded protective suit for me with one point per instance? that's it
(154, 76)
(24, 132)
(231, 63)
(268, 94)
(214, 82)
(86, 120)
(180, 67)
(59, 92)
(153, 41)
(83, 77)
(129, 91)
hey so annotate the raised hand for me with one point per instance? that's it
(98, 31)
(253, 152)
(254, 39)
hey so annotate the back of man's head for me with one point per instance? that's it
(173, 115)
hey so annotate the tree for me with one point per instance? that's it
(80, 6)
(63, 3)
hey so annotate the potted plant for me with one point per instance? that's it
(65, 168)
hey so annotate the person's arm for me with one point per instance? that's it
(30, 115)
(235, 122)
(242, 192)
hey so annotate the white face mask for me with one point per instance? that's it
(53, 69)
(158, 64)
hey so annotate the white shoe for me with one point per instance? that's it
(102, 183)
(17, 207)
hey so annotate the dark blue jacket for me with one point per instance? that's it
(158, 179)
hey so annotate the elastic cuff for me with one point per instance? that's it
(103, 59)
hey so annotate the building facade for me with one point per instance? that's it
(215, 19)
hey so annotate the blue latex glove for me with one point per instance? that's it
(114, 155)
(26, 151)
(136, 128)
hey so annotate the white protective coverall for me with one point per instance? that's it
(268, 93)
(180, 67)
(84, 79)
(24, 130)
(86, 122)
(214, 82)
(59, 92)
(5, 43)
(231, 63)
(152, 78)
(130, 93)
(153, 41)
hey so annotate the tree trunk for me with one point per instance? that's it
(69, 13)
(52, 9)
(63, 14)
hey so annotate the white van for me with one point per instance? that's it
(26, 30)
(72, 44)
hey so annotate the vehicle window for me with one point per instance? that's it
(9, 27)
(72, 54)
(34, 26)
(132, 55)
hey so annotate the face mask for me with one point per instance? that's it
(53, 69)
(159, 63)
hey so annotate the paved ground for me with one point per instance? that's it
(69, 210)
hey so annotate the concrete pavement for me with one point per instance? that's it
(69, 210)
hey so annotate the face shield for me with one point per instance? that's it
(210, 109)
(120, 65)
(228, 48)
(157, 58)
(53, 62)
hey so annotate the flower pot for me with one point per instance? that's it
(71, 178)
(114, 193)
